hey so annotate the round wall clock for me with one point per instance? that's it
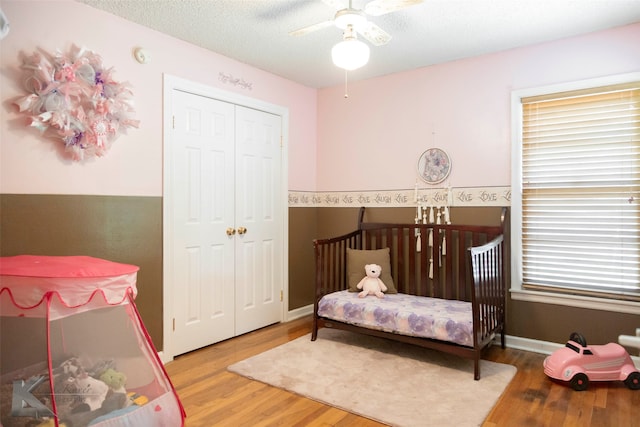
(434, 166)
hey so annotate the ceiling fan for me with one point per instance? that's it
(355, 19)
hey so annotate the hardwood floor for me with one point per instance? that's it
(214, 397)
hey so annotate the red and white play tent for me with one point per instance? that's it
(73, 349)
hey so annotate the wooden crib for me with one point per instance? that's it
(451, 262)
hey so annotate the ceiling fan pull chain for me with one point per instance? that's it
(346, 84)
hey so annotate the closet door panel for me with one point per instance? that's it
(258, 160)
(202, 149)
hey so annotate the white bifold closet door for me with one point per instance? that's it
(227, 220)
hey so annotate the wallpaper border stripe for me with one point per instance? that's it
(457, 197)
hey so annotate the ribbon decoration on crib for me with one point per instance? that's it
(432, 215)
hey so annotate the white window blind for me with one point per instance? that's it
(580, 181)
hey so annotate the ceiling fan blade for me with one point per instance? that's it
(381, 7)
(311, 28)
(376, 35)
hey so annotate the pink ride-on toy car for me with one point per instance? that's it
(578, 364)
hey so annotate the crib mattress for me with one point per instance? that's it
(436, 318)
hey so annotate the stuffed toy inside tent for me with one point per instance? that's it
(73, 349)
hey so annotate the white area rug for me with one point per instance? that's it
(393, 383)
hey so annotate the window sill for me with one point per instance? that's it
(618, 306)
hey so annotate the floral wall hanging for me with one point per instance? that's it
(74, 98)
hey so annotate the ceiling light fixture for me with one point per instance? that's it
(350, 53)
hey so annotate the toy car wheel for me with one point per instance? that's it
(579, 382)
(633, 381)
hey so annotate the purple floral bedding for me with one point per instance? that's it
(446, 320)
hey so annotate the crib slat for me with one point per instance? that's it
(488, 292)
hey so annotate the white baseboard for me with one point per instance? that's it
(528, 344)
(537, 346)
(299, 312)
(162, 358)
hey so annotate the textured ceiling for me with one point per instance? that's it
(256, 31)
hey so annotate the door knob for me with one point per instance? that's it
(231, 231)
(242, 230)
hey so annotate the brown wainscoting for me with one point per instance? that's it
(129, 230)
(302, 231)
(118, 228)
(554, 323)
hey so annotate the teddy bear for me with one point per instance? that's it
(371, 284)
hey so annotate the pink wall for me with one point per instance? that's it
(370, 141)
(30, 164)
(373, 139)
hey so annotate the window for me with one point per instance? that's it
(575, 191)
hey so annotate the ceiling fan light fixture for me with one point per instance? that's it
(350, 54)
